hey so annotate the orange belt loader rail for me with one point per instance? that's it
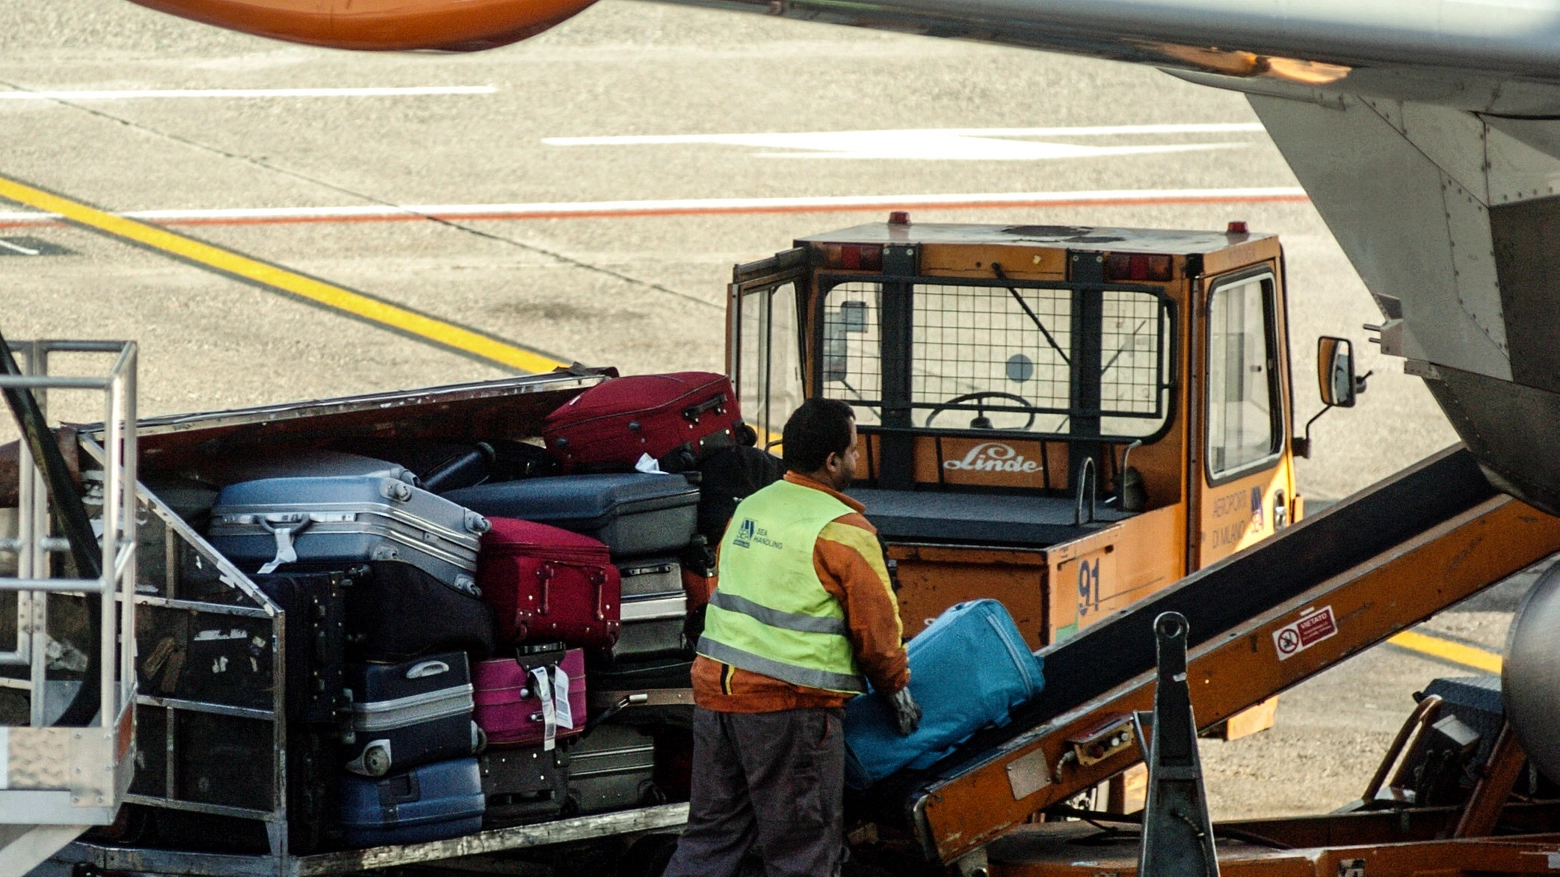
(1261, 621)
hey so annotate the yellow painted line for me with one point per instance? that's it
(336, 298)
(1446, 650)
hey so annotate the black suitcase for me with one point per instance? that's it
(524, 785)
(401, 612)
(611, 768)
(645, 693)
(408, 714)
(514, 460)
(315, 641)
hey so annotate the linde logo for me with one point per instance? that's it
(992, 457)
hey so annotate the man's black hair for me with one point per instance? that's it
(817, 429)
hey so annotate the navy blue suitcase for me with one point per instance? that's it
(411, 713)
(633, 513)
(968, 669)
(432, 802)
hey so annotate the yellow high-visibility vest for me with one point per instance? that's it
(769, 614)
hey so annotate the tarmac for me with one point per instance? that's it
(583, 163)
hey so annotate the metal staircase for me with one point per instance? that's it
(66, 763)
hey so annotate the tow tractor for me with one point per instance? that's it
(1070, 420)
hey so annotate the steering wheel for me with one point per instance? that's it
(980, 411)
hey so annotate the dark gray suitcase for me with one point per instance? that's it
(657, 577)
(524, 785)
(633, 513)
(274, 522)
(411, 713)
(611, 768)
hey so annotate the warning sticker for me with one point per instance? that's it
(1296, 637)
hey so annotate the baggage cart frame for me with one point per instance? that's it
(186, 587)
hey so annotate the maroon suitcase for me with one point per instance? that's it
(674, 418)
(547, 583)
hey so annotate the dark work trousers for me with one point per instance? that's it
(776, 780)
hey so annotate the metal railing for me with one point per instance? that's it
(77, 775)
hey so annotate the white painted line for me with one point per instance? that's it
(581, 209)
(26, 251)
(940, 144)
(1084, 131)
(247, 92)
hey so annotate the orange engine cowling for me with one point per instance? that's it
(385, 25)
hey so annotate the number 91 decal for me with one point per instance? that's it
(1088, 586)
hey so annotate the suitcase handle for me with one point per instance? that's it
(426, 669)
(693, 412)
(283, 527)
(402, 789)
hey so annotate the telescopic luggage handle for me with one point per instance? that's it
(626, 701)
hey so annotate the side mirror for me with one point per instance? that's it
(1336, 380)
(1335, 372)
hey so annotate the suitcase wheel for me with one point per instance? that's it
(479, 739)
(376, 760)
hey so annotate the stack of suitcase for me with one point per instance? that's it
(378, 577)
(493, 633)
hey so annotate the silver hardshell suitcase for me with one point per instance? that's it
(652, 627)
(270, 523)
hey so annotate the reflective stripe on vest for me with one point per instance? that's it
(769, 614)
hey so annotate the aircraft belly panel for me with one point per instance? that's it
(1473, 262)
(1451, 139)
(1382, 197)
(1510, 428)
(1527, 253)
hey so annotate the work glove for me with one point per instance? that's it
(906, 711)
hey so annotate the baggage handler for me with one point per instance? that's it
(802, 616)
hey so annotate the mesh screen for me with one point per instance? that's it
(979, 339)
(1131, 336)
(1002, 356)
(852, 368)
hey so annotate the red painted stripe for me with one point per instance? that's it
(713, 211)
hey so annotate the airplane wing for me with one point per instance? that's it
(1427, 133)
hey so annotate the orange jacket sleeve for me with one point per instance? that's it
(850, 564)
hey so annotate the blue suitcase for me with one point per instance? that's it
(633, 513)
(433, 802)
(968, 669)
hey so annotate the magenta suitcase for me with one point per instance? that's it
(533, 698)
(547, 584)
(675, 418)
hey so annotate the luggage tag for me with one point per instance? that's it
(649, 465)
(561, 708)
(543, 689)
